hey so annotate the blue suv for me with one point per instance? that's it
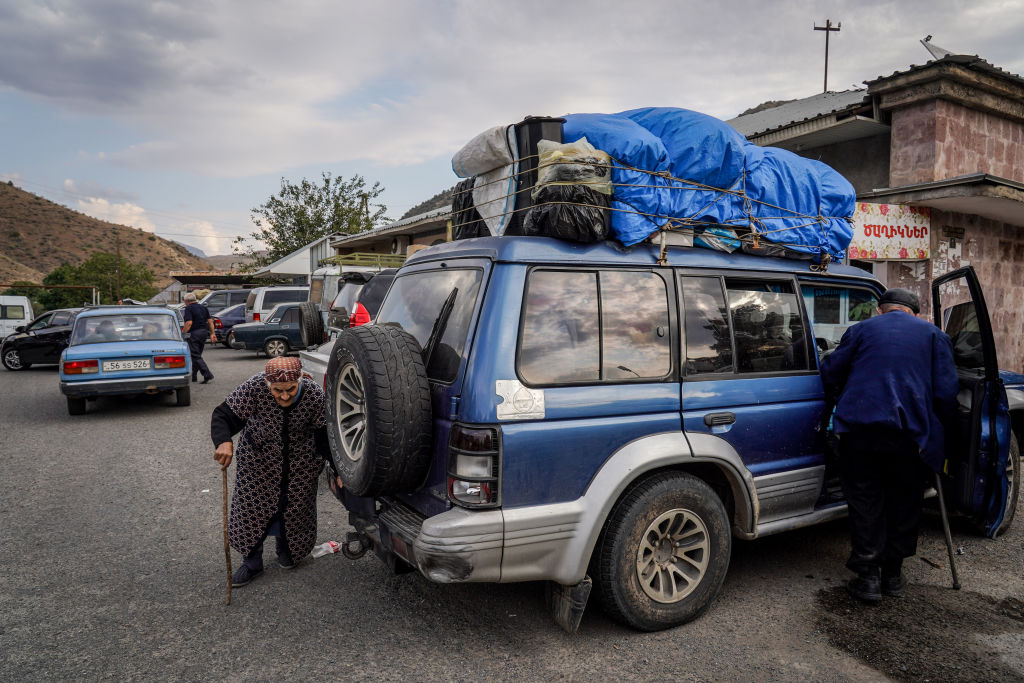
(531, 409)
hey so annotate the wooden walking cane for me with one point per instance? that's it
(227, 548)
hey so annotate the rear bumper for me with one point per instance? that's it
(127, 385)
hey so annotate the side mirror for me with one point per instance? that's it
(19, 328)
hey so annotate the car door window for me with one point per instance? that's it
(61, 318)
(708, 342)
(767, 326)
(291, 316)
(833, 310)
(635, 338)
(40, 323)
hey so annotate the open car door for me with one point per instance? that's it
(978, 448)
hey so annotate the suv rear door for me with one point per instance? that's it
(976, 453)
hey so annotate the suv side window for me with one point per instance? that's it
(290, 316)
(41, 322)
(61, 318)
(833, 310)
(767, 325)
(708, 342)
(588, 326)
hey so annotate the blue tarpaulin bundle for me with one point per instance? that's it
(691, 171)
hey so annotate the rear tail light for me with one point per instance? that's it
(361, 316)
(80, 367)
(218, 324)
(474, 466)
(255, 317)
(168, 362)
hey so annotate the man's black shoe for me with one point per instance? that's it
(893, 586)
(865, 588)
(207, 380)
(243, 575)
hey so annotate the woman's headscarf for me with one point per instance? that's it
(283, 369)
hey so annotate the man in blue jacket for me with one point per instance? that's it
(894, 385)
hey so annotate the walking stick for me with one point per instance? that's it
(945, 528)
(227, 548)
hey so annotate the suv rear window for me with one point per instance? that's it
(590, 326)
(414, 303)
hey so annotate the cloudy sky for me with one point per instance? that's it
(180, 116)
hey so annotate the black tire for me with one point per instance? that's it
(311, 324)
(378, 411)
(226, 341)
(12, 360)
(661, 511)
(1013, 491)
(183, 396)
(76, 406)
(275, 347)
(230, 340)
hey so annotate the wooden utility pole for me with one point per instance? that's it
(118, 238)
(827, 28)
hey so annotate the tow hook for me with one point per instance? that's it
(356, 544)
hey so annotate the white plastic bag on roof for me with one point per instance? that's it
(573, 163)
(489, 150)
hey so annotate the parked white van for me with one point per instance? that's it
(263, 300)
(14, 312)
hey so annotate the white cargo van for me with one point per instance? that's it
(14, 312)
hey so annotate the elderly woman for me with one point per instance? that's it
(280, 454)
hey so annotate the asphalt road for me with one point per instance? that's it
(112, 566)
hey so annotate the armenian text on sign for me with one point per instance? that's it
(890, 231)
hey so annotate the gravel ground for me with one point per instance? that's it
(113, 568)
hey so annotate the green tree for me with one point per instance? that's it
(99, 270)
(304, 212)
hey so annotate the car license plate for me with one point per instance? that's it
(131, 364)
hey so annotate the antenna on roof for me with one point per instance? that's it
(828, 28)
(936, 51)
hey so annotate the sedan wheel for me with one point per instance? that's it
(275, 348)
(12, 360)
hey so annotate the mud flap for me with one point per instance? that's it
(568, 602)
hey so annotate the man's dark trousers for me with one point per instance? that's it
(196, 343)
(883, 481)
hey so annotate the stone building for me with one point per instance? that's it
(943, 141)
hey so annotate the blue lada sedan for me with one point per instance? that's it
(122, 350)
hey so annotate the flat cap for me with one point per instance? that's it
(902, 297)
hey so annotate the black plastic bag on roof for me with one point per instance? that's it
(466, 220)
(569, 212)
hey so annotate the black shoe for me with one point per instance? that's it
(194, 378)
(865, 588)
(893, 586)
(207, 380)
(244, 575)
(285, 561)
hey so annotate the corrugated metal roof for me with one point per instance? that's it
(444, 211)
(797, 111)
(973, 62)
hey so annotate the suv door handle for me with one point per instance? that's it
(717, 419)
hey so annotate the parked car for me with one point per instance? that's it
(529, 409)
(124, 350)
(40, 342)
(14, 311)
(278, 335)
(344, 303)
(370, 297)
(224, 321)
(219, 299)
(262, 300)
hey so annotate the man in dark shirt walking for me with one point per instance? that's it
(894, 385)
(198, 328)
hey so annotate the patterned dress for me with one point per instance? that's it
(279, 458)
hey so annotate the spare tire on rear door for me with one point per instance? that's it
(311, 324)
(378, 410)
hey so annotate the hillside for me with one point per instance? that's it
(37, 235)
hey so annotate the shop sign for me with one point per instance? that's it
(890, 231)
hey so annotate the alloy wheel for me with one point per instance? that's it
(275, 348)
(673, 555)
(350, 402)
(12, 359)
